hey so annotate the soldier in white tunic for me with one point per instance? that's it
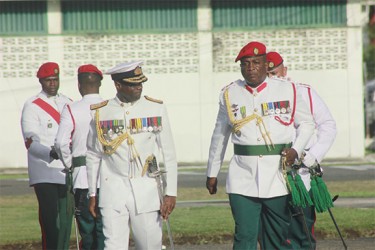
(70, 145)
(315, 150)
(40, 121)
(258, 113)
(128, 133)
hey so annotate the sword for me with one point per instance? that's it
(334, 222)
(69, 171)
(316, 170)
(76, 211)
(156, 173)
(76, 231)
(301, 215)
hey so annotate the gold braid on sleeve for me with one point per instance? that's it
(238, 124)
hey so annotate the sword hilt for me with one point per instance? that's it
(157, 173)
(152, 165)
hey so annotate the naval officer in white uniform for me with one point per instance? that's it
(126, 133)
(258, 113)
(70, 144)
(318, 146)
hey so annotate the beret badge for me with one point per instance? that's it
(138, 71)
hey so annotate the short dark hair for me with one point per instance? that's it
(89, 78)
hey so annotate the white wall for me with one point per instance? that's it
(187, 72)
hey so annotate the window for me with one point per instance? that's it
(23, 17)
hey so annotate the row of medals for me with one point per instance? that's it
(119, 130)
(145, 129)
(276, 111)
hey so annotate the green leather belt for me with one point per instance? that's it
(259, 149)
(78, 161)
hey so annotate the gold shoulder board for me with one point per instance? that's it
(153, 100)
(98, 105)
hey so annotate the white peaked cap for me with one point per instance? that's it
(124, 67)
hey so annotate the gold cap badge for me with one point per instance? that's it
(138, 71)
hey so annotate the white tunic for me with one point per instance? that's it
(118, 167)
(71, 137)
(39, 125)
(258, 176)
(324, 134)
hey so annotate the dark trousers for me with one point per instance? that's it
(266, 220)
(54, 223)
(90, 229)
(297, 233)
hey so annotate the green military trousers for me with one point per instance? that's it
(266, 220)
(90, 228)
(297, 232)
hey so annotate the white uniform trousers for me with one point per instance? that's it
(146, 227)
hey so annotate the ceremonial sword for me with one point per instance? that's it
(69, 171)
(301, 216)
(334, 222)
(317, 170)
(154, 172)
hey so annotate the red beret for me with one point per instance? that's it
(252, 49)
(48, 69)
(89, 68)
(273, 60)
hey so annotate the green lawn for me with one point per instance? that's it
(19, 217)
(360, 189)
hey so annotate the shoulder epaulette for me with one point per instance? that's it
(303, 85)
(227, 86)
(281, 78)
(98, 105)
(153, 100)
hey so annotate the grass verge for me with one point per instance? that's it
(196, 225)
(358, 189)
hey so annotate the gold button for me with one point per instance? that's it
(260, 156)
(255, 94)
(255, 110)
(127, 112)
(259, 139)
(122, 105)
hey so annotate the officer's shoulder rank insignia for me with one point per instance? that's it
(153, 100)
(227, 86)
(303, 85)
(98, 105)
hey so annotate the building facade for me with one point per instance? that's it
(189, 49)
